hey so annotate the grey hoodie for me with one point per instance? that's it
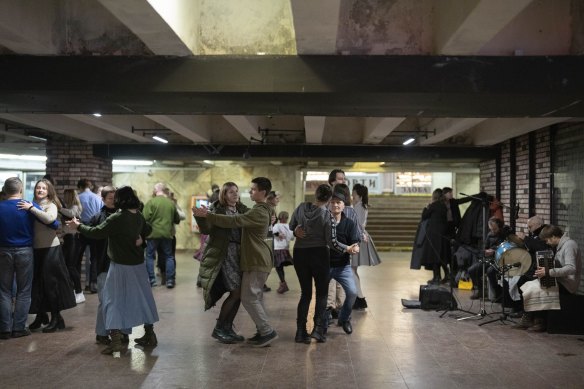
(319, 226)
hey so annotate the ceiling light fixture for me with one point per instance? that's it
(159, 139)
(409, 141)
(37, 138)
(131, 162)
(97, 115)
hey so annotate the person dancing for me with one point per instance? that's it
(220, 271)
(127, 294)
(51, 287)
(367, 255)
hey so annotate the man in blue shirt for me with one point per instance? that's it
(91, 205)
(16, 261)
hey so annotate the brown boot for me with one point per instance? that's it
(283, 287)
(115, 345)
(525, 322)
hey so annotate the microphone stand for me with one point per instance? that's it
(482, 311)
(503, 318)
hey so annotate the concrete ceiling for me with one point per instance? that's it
(296, 72)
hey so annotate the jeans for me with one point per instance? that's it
(309, 263)
(344, 276)
(252, 299)
(15, 263)
(151, 249)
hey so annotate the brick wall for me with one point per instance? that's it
(521, 161)
(67, 162)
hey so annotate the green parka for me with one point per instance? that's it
(215, 253)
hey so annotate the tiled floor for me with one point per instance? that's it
(390, 347)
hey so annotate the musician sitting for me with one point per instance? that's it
(498, 232)
(532, 243)
(568, 266)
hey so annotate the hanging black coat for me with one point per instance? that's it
(428, 249)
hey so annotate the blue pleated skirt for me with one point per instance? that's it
(127, 297)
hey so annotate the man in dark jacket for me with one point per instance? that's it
(340, 263)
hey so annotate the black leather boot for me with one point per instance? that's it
(302, 336)
(149, 339)
(228, 329)
(221, 335)
(57, 323)
(40, 319)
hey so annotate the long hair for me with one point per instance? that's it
(51, 193)
(223, 193)
(362, 192)
(71, 198)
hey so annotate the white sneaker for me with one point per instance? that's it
(79, 298)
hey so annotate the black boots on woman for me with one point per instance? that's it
(57, 323)
(149, 339)
(40, 319)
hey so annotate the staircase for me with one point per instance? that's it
(393, 220)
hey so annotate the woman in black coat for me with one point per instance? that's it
(428, 250)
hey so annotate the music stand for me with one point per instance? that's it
(482, 311)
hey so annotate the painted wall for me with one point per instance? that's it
(185, 183)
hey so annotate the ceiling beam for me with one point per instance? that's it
(314, 129)
(194, 128)
(147, 23)
(463, 27)
(302, 153)
(26, 27)
(376, 129)
(493, 131)
(58, 124)
(247, 126)
(116, 124)
(446, 128)
(316, 24)
(391, 86)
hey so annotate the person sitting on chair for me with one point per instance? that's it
(532, 244)
(498, 232)
(567, 270)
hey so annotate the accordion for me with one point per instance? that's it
(546, 259)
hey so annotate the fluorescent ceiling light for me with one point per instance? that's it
(37, 138)
(131, 162)
(408, 141)
(208, 162)
(24, 157)
(159, 139)
(97, 115)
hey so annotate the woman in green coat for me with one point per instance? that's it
(219, 270)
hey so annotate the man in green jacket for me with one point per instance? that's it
(161, 213)
(256, 255)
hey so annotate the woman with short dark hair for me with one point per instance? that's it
(127, 294)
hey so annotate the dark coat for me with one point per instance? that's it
(215, 254)
(432, 241)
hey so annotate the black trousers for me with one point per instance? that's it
(312, 263)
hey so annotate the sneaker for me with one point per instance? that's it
(267, 288)
(170, 284)
(265, 340)
(79, 298)
(5, 335)
(254, 338)
(153, 283)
